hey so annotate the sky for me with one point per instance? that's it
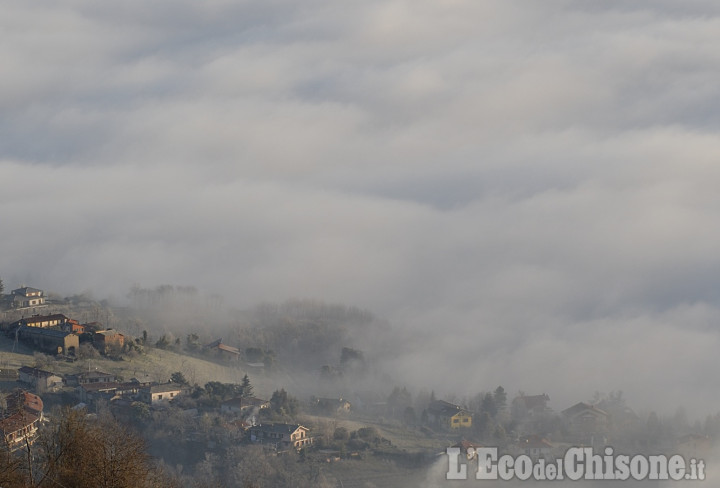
(526, 190)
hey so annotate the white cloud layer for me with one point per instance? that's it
(527, 187)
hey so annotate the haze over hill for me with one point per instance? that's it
(525, 192)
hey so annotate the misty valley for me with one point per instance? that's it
(175, 388)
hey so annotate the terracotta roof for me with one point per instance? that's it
(231, 349)
(218, 344)
(16, 422)
(31, 402)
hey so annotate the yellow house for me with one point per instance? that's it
(448, 415)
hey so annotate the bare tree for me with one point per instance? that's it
(79, 452)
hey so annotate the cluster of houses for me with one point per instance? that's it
(584, 424)
(60, 335)
(93, 386)
(52, 333)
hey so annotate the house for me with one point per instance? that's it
(26, 296)
(244, 405)
(21, 400)
(74, 326)
(234, 405)
(19, 429)
(49, 340)
(39, 379)
(586, 423)
(108, 340)
(224, 350)
(332, 406)
(42, 321)
(447, 415)
(91, 392)
(89, 377)
(281, 436)
(160, 394)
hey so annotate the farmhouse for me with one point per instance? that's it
(224, 350)
(586, 423)
(89, 377)
(25, 297)
(332, 406)
(107, 340)
(161, 394)
(39, 379)
(448, 415)
(244, 405)
(49, 340)
(281, 436)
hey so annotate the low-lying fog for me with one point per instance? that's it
(525, 193)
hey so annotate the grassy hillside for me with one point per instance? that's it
(153, 365)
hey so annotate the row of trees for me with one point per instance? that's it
(76, 451)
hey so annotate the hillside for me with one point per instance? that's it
(153, 365)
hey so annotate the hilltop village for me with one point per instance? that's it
(200, 427)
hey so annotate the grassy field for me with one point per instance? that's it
(153, 365)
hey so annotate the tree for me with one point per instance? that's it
(83, 453)
(352, 360)
(163, 342)
(488, 405)
(193, 342)
(2, 287)
(500, 398)
(247, 389)
(13, 473)
(399, 400)
(283, 404)
(178, 377)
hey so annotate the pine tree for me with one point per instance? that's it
(247, 389)
(500, 398)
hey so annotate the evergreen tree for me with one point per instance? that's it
(488, 405)
(500, 398)
(247, 389)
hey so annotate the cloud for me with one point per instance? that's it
(538, 176)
